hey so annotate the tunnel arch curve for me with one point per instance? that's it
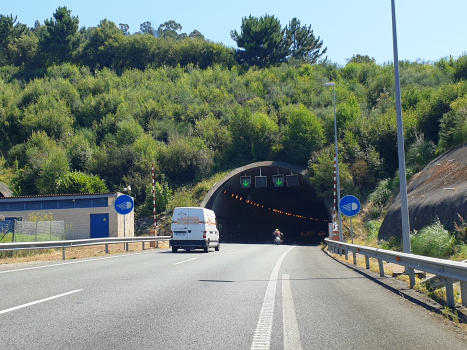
(252, 214)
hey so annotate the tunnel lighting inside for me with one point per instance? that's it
(250, 214)
(277, 211)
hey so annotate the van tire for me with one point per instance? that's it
(206, 248)
(174, 249)
(217, 247)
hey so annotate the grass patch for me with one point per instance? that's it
(460, 252)
(193, 196)
(434, 241)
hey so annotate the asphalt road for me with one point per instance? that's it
(242, 297)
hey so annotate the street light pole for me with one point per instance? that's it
(337, 159)
(400, 148)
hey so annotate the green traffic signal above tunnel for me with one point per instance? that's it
(278, 180)
(245, 181)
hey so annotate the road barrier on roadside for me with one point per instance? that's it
(80, 243)
(450, 270)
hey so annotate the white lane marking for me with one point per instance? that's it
(184, 261)
(291, 334)
(39, 301)
(262, 336)
(229, 250)
(73, 262)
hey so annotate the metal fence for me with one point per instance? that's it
(80, 243)
(38, 231)
(449, 270)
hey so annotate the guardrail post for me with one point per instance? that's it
(411, 277)
(449, 293)
(354, 258)
(340, 251)
(143, 245)
(126, 247)
(464, 293)
(346, 254)
(367, 262)
(381, 267)
(63, 253)
(106, 249)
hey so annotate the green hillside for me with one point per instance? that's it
(95, 112)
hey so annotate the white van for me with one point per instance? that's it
(194, 228)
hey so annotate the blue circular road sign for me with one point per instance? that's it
(349, 205)
(124, 204)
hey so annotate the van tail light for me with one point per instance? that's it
(204, 234)
(171, 234)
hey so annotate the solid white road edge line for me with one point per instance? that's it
(39, 301)
(291, 333)
(262, 336)
(74, 262)
(184, 261)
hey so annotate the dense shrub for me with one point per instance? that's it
(434, 241)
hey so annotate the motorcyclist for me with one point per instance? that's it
(277, 235)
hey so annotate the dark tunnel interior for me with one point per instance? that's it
(252, 214)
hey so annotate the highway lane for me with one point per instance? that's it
(161, 300)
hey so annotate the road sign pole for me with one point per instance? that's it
(124, 205)
(153, 232)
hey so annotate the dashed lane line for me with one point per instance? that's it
(39, 301)
(184, 261)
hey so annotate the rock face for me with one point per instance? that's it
(144, 224)
(5, 191)
(439, 190)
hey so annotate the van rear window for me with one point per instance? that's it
(188, 220)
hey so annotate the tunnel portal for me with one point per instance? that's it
(252, 214)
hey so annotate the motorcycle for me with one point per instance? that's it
(277, 240)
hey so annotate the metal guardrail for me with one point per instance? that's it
(80, 243)
(449, 270)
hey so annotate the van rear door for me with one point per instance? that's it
(180, 224)
(196, 227)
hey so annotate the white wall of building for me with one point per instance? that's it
(78, 220)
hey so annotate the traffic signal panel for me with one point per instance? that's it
(245, 181)
(278, 180)
(261, 181)
(292, 180)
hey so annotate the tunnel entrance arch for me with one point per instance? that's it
(252, 214)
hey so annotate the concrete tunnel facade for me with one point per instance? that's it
(252, 214)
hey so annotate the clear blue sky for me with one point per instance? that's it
(427, 29)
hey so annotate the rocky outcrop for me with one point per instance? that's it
(438, 191)
(5, 191)
(144, 224)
